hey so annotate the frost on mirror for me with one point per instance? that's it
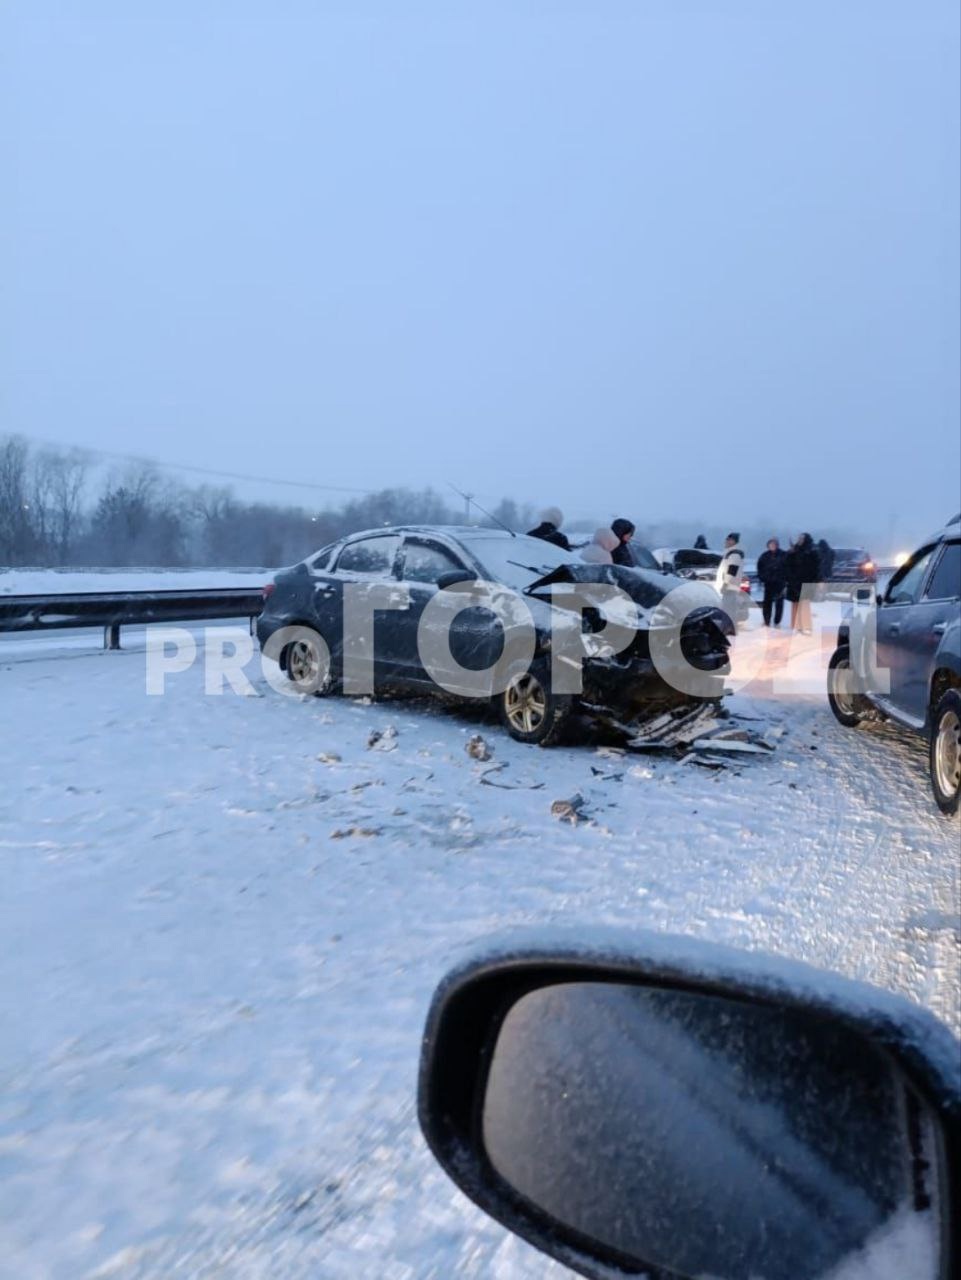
(713, 1137)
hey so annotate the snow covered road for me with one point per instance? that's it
(223, 918)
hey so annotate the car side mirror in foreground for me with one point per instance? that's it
(453, 577)
(677, 1110)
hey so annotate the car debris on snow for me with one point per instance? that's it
(477, 748)
(707, 731)
(604, 776)
(382, 739)
(487, 780)
(572, 810)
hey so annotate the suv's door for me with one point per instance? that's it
(894, 612)
(924, 625)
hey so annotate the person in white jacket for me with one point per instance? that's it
(729, 574)
(599, 551)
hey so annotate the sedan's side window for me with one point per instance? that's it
(906, 584)
(423, 563)
(320, 560)
(369, 557)
(945, 582)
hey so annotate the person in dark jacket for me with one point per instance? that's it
(772, 573)
(624, 532)
(825, 565)
(803, 569)
(549, 528)
(700, 542)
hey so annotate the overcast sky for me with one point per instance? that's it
(657, 258)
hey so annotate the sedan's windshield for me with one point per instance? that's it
(517, 562)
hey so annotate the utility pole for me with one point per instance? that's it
(467, 502)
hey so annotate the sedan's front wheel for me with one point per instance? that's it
(945, 756)
(529, 710)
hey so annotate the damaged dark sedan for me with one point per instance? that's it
(469, 613)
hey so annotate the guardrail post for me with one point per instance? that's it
(111, 636)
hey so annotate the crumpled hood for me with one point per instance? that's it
(660, 599)
(644, 586)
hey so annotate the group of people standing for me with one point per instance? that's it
(787, 574)
(782, 574)
(608, 546)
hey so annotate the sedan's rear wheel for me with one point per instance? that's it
(529, 710)
(307, 662)
(946, 752)
(845, 703)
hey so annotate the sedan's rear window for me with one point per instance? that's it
(372, 557)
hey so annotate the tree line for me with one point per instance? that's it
(56, 509)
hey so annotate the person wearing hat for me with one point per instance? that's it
(549, 528)
(623, 530)
(729, 574)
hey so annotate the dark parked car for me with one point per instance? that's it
(853, 565)
(919, 647)
(623, 689)
(646, 1105)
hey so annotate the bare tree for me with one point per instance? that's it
(69, 483)
(17, 538)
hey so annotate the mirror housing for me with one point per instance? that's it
(453, 577)
(474, 1007)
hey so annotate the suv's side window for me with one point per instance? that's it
(370, 557)
(945, 582)
(906, 584)
(423, 563)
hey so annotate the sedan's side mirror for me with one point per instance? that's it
(672, 1110)
(453, 577)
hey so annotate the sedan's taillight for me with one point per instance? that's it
(267, 590)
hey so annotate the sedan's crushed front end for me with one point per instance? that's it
(678, 651)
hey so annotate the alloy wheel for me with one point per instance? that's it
(525, 703)
(947, 753)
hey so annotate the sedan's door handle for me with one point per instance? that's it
(894, 628)
(939, 628)
(323, 589)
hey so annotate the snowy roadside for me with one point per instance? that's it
(224, 918)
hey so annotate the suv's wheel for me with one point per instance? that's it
(529, 710)
(848, 706)
(307, 662)
(946, 751)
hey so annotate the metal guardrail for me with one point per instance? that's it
(115, 609)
